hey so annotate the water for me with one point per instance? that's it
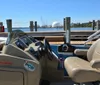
(48, 29)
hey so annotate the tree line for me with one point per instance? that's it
(87, 24)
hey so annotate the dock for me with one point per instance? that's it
(67, 35)
(57, 36)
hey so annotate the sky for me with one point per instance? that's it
(48, 11)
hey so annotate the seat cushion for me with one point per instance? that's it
(80, 70)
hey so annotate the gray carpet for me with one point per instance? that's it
(68, 82)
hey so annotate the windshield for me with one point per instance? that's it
(15, 35)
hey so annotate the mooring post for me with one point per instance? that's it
(31, 26)
(93, 24)
(9, 27)
(67, 29)
(1, 24)
(64, 24)
(98, 24)
(35, 25)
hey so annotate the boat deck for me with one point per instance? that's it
(68, 81)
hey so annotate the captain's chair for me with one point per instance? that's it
(85, 71)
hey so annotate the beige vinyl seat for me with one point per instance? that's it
(82, 71)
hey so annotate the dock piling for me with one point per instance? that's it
(9, 25)
(67, 29)
(64, 24)
(35, 25)
(98, 24)
(1, 25)
(93, 24)
(31, 26)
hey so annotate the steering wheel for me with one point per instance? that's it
(49, 51)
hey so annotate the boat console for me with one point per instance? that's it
(19, 61)
(20, 41)
(30, 59)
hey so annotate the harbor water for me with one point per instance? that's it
(48, 29)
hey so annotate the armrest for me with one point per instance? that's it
(95, 63)
(81, 52)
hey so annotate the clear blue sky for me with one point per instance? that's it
(47, 11)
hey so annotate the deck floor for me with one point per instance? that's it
(66, 83)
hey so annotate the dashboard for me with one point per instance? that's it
(30, 45)
(26, 43)
(23, 42)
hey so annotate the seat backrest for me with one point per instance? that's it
(94, 48)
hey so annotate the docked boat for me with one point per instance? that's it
(25, 60)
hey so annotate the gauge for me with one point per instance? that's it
(20, 44)
(64, 47)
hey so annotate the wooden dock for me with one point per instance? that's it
(54, 36)
(57, 36)
(72, 42)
